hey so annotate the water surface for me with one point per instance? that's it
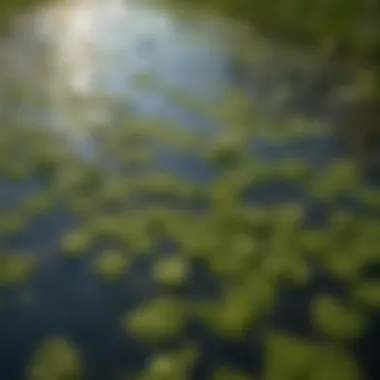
(70, 67)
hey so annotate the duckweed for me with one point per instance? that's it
(300, 127)
(368, 293)
(342, 266)
(288, 357)
(343, 224)
(114, 227)
(346, 173)
(333, 363)
(231, 317)
(315, 242)
(233, 258)
(15, 268)
(116, 191)
(337, 320)
(172, 271)
(289, 216)
(225, 373)
(14, 171)
(55, 359)
(298, 272)
(293, 169)
(77, 243)
(171, 365)
(12, 223)
(226, 150)
(159, 320)
(249, 248)
(37, 204)
(112, 264)
(370, 197)
(341, 178)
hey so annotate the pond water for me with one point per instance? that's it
(72, 68)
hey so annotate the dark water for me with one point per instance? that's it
(57, 72)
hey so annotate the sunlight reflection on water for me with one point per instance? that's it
(71, 61)
(93, 49)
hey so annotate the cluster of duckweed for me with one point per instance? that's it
(157, 321)
(172, 271)
(112, 264)
(337, 320)
(55, 359)
(226, 373)
(290, 357)
(171, 365)
(15, 268)
(255, 250)
(76, 243)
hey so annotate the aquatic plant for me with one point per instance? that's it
(226, 151)
(171, 365)
(172, 271)
(157, 321)
(254, 251)
(228, 373)
(367, 292)
(55, 358)
(76, 243)
(370, 197)
(337, 320)
(331, 362)
(352, 30)
(234, 314)
(12, 222)
(287, 356)
(16, 268)
(342, 177)
(38, 204)
(235, 256)
(112, 264)
(294, 169)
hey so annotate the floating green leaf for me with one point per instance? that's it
(337, 320)
(55, 359)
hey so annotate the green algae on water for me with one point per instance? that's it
(288, 357)
(234, 258)
(332, 362)
(226, 150)
(13, 222)
(367, 292)
(38, 204)
(55, 359)
(156, 321)
(76, 243)
(337, 320)
(232, 316)
(294, 169)
(15, 268)
(370, 197)
(250, 249)
(171, 365)
(112, 264)
(315, 242)
(228, 373)
(172, 271)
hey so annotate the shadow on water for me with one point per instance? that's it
(58, 62)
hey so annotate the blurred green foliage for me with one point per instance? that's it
(255, 251)
(353, 25)
(10, 8)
